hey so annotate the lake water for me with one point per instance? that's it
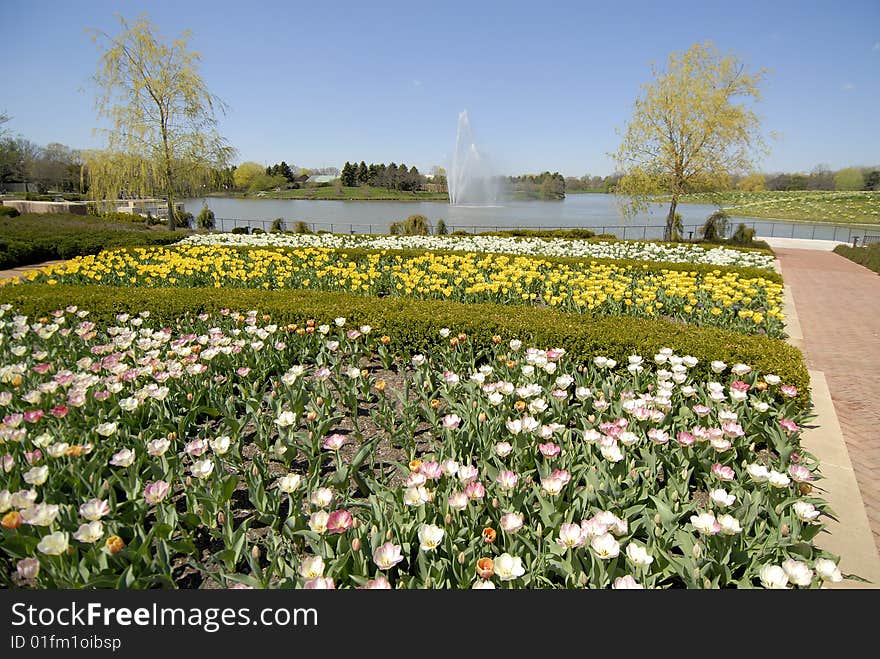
(597, 212)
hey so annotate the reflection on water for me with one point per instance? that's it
(597, 212)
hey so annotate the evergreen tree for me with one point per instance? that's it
(363, 173)
(285, 171)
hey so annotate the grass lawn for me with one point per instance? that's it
(811, 205)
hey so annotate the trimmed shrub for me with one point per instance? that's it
(441, 227)
(34, 238)
(414, 325)
(571, 234)
(868, 256)
(277, 224)
(301, 227)
(240, 230)
(8, 211)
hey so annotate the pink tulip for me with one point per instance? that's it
(156, 491)
(339, 521)
(788, 425)
(334, 442)
(475, 490)
(722, 472)
(549, 450)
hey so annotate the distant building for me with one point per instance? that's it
(322, 178)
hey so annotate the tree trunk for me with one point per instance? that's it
(670, 219)
(169, 196)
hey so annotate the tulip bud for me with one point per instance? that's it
(785, 530)
(494, 502)
(448, 518)
(482, 417)
(698, 550)
(189, 396)
(356, 544)
(657, 518)
(221, 518)
(592, 418)
(380, 386)
(496, 339)
(805, 488)
(255, 552)
(583, 579)
(311, 416)
(389, 535)
(474, 405)
(115, 544)
(319, 401)
(11, 520)
(510, 363)
(374, 530)
(461, 558)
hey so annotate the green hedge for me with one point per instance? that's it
(33, 238)
(867, 256)
(413, 325)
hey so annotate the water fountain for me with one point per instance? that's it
(469, 178)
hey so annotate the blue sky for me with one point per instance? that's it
(546, 84)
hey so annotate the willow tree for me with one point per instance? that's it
(691, 130)
(163, 138)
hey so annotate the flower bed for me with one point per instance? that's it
(413, 325)
(714, 298)
(634, 250)
(34, 238)
(231, 449)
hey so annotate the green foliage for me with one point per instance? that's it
(849, 179)
(277, 224)
(677, 227)
(205, 220)
(183, 219)
(569, 234)
(414, 225)
(414, 325)
(240, 230)
(716, 226)
(743, 235)
(163, 135)
(868, 256)
(8, 211)
(301, 227)
(690, 131)
(35, 238)
(441, 227)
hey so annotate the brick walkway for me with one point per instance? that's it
(838, 304)
(19, 271)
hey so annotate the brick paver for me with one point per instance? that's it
(838, 304)
(19, 271)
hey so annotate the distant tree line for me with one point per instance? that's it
(53, 167)
(538, 186)
(588, 183)
(392, 176)
(821, 177)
